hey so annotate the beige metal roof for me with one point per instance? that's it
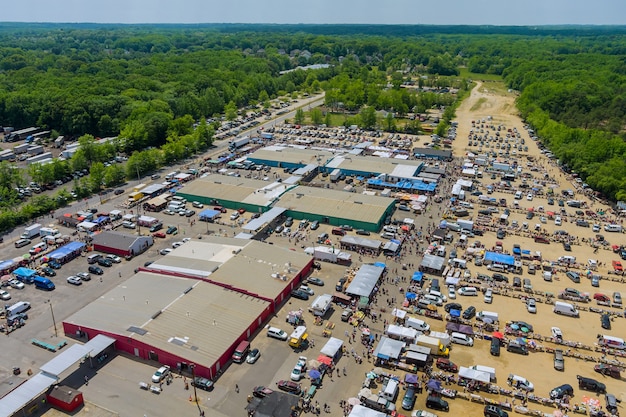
(198, 325)
(375, 164)
(253, 266)
(223, 186)
(231, 188)
(337, 204)
(292, 155)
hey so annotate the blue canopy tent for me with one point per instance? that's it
(417, 276)
(67, 252)
(455, 313)
(208, 215)
(499, 258)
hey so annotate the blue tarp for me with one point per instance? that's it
(411, 296)
(22, 272)
(455, 313)
(101, 219)
(500, 258)
(66, 250)
(208, 214)
(403, 185)
(6, 265)
(380, 265)
(417, 276)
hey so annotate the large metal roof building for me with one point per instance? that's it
(334, 207)
(196, 304)
(234, 192)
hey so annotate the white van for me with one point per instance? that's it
(547, 276)
(390, 393)
(19, 307)
(518, 195)
(565, 309)
(276, 333)
(432, 299)
(461, 339)
(613, 228)
(468, 291)
(417, 324)
(487, 315)
(92, 259)
(569, 260)
(496, 267)
(438, 294)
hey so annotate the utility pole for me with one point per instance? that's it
(193, 379)
(54, 323)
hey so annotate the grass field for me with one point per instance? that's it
(465, 73)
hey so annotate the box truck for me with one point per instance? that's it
(436, 347)
(31, 231)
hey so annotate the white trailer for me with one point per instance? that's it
(320, 306)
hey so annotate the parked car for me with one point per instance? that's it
(156, 227)
(531, 305)
(469, 313)
(128, 225)
(301, 295)
(562, 390)
(605, 321)
(447, 365)
(161, 374)
(84, 276)
(559, 362)
(95, 270)
(17, 284)
(573, 276)
(160, 235)
(315, 281)
(495, 346)
(197, 204)
(437, 403)
(4, 295)
(172, 230)
(289, 386)
(408, 401)
(202, 383)
(452, 306)
(494, 411)
(74, 280)
(253, 356)
(307, 290)
(590, 384)
(104, 262)
(516, 347)
(261, 391)
(47, 271)
(114, 258)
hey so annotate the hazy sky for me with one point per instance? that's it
(476, 12)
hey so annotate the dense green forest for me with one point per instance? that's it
(150, 84)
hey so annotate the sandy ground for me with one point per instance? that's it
(494, 101)
(488, 100)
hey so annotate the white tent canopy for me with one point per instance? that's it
(360, 411)
(331, 347)
(475, 375)
(396, 312)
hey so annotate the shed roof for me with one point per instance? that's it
(230, 261)
(117, 240)
(360, 241)
(336, 204)
(192, 319)
(365, 280)
(375, 164)
(245, 190)
(292, 155)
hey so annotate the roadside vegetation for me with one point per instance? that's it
(154, 87)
